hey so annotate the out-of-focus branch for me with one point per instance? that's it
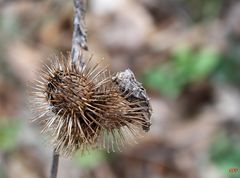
(54, 168)
(79, 39)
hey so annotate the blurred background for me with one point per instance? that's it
(185, 52)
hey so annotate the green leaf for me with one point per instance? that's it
(205, 63)
(185, 67)
(9, 131)
(90, 159)
(224, 153)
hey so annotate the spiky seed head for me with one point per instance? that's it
(134, 93)
(82, 107)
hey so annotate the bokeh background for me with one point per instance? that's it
(185, 52)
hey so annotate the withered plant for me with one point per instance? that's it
(83, 106)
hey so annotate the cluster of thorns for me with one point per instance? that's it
(85, 107)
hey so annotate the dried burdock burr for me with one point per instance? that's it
(83, 106)
(135, 93)
(86, 107)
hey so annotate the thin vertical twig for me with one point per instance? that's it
(79, 42)
(54, 168)
(79, 39)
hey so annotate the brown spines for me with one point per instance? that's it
(82, 108)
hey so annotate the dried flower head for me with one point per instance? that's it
(85, 107)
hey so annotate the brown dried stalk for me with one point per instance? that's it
(54, 168)
(79, 40)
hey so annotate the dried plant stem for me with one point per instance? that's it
(79, 42)
(54, 168)
(79, 39)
